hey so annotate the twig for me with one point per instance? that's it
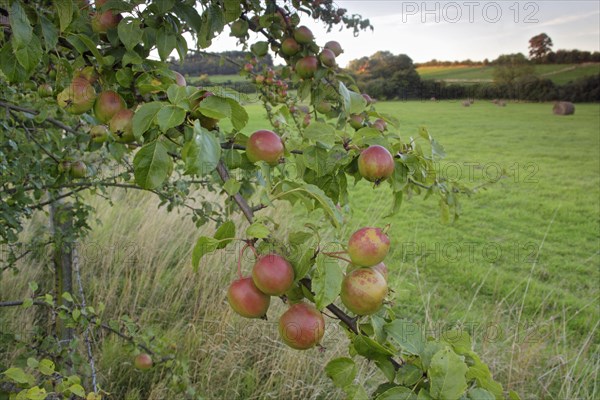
(35, 112)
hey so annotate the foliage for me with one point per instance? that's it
(539, 46)
(181, 144)
(196, 64)
(385, 75)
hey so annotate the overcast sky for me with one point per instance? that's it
(457, 30)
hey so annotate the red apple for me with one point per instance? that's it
(264, 145)
(303, 35)
(108, 104)
(143, 361)
(302, 326)
(335, 47)
(375, 163)
(327, 58)
(273, 275)
(307, 66)
(368, 246)
(121, 126)
(246, 300)
(289, 47)
(363, 291)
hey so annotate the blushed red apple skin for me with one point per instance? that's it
(121, 126)
(290, 46)
(143, 361)
(327, 58)
(381, 268)
(273, 274)
(246, 300)
(307, 66)
(368, 246)
(302, 326)
(303, 35)
(264, 145)
(375, 163)
(335, 47)
(107, 104)
(363, 291)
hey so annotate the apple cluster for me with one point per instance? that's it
(302, 326)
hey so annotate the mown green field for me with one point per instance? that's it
(519, 269)
(558, 73)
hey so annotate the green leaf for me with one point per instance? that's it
(77, 390)
(76, 314)
(407, 335)
(49, 32)
(47, 367)
(64, 9)
(341, 371)
(22, 32)
(33, 286)
(144, 117)
(18, 375)
(316, 158)
(409, 375)
(32, 362)
(320, 131)
(302, 266)
(169, 117)
(357, 103)
(162, 6)
(215, 107)
(447, 374)
(512, 395)
(397, 393)
(459, 339)
(189, 15)
(258, 230)
(204, 245)
(201, 154)
(232, 186)
(424, 395)
(27, 303)
(233, 9)
(480, 394)
(239, 116)
(225, 234)
(67, 296)
(345, 95)
(355, 392)
(10, 65)
(397, 203)
(130, 32)
(152, 165)
(29, 56)
(89, 45)
(387, 368)
(327, 281)
(125, 78)
(165, 43)
(176, 94)
(367, 347)
(35, 393)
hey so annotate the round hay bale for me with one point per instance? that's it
(563, 108)
(433, 99)
(495, 101)
(501, 103)
(466, 103)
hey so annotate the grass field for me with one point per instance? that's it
(519, 269)
(558, 73)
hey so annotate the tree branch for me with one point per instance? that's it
(52, 121)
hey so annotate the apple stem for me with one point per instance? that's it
(334, 255)
(247, 245)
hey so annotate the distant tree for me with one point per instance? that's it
(539, 46)
(386, 75)
(510, 68)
